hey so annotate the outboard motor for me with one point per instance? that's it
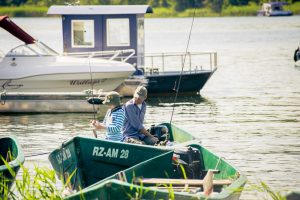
(160, 131)
(191, 161)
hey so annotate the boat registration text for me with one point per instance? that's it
(110, 152)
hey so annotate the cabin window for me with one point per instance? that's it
(83, 33)
(117, 32)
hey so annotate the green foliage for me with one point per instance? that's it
(24, 11)
(249, 10)
(163, 8)
(263, 188)
(295, 8)
(39, 184)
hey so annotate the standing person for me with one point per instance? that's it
(135, 110)
(297, 54)
(114, 118)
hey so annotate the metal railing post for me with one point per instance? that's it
(210, 61)
(216, 59)
(163, 62)
(190, 60)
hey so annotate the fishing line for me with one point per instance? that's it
(180, 77)
(92, 85)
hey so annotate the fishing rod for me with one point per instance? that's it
(180, 77)
(92, 99)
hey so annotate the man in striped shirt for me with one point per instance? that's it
(114, 118)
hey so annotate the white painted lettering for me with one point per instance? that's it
(95, 151)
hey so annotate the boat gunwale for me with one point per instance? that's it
(16, 162)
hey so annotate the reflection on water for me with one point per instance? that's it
(248, 112)
(166, 101)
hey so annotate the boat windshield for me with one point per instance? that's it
(35, 49)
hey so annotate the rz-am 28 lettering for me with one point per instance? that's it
(110, 152)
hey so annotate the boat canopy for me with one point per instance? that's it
(15, 30)
(97, 10)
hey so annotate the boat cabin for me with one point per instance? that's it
(103, 28)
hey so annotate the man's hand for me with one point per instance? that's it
(97, 124)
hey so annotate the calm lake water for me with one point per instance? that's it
(248, 112)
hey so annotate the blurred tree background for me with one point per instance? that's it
(176, 5)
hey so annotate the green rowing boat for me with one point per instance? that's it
(113, 170)
(11, 157)
(96, 159)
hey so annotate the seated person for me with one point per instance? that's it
(114, 118)
(135, 110)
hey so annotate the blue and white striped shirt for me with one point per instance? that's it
(114, 123)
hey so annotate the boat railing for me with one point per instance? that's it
(110, 55)
(189, 62)
(164, 62)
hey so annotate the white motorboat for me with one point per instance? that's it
(34, 67)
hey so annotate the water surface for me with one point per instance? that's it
(248, 112)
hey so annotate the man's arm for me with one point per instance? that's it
(145, 132)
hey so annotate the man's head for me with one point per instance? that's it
(140, 94)
(112, 99)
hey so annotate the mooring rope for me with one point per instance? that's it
(180, 77)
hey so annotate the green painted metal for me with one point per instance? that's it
(178, 135)
(96, 159)
(161, 167)
(11, 151)
(101, 163)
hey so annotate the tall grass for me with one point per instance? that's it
(36, 185)
(42, 184)
(268, 193)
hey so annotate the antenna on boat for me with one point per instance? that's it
(93, 103)
(180, 77)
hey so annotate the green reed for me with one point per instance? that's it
(42, 184)
(263, 189)
(39, 184)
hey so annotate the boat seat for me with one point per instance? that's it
(198, 182)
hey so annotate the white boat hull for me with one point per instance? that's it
(65, 82)
(61, 74)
